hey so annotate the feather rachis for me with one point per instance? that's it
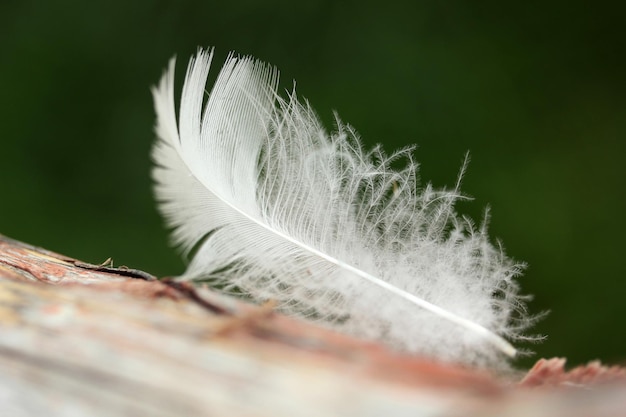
(331, 232)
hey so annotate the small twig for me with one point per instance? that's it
(183, 288)
(122, 270)
(190, 292)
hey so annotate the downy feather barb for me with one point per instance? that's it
(277, 208)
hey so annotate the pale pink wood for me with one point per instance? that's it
(89, 340)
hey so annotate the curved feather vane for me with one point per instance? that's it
(277, 208)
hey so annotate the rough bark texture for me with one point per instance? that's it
(93, 340)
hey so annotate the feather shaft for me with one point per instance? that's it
(279, 209)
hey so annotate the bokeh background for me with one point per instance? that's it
(534, 90)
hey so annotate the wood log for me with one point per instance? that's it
(93, 340)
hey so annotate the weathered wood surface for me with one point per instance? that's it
(88, 340)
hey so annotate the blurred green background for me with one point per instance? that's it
(535, 91)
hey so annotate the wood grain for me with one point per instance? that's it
(93, 340)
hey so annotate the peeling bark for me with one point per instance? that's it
(94, 340)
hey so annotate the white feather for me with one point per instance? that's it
(278, 209)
